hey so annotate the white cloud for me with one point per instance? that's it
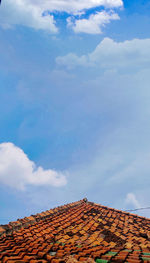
(20, 12)
(71, 60)
(131, 200)
(17, 171)
(29, 12)
(73, 6)
(112, 55)
(94, 24)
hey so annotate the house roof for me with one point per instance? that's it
(81, 231)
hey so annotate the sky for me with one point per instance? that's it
(74, 104)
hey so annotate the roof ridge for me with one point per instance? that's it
(12, 226)
(119, 211)
(75, 232)
(9, 228)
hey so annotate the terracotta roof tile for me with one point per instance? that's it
(78, 232)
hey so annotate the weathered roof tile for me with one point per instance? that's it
(78, 232)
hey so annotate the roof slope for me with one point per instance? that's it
(80, 230)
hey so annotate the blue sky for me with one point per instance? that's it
(74, 104)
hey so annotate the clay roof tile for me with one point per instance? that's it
(77, 232)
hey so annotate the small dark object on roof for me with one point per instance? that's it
(85, 200)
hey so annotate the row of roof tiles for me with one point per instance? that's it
(82, 230)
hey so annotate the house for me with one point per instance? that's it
(77, 232)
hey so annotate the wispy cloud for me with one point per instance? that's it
(17, 171)
(114, 79)
(113, 55)
(132, 200)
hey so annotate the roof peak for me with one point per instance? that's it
(80, 229)
(9, 228)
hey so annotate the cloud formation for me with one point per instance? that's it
(94, 24)
(131, 200)
(114, 79)
(72, 6)
(113, 55)
(30, 13)
(17, 171)
(26, 14)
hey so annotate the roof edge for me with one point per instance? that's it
(9, 228)
(119, 211)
